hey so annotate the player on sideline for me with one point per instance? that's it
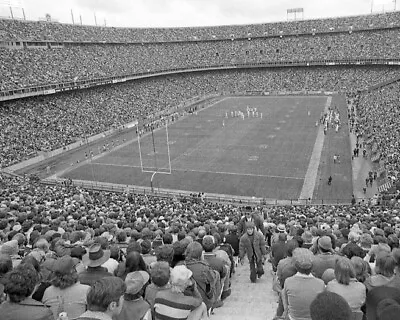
(223, 123)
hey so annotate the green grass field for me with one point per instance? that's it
(262, 157)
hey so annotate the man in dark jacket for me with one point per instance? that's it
(93, 261)
(19, 285)
(105, 299)
(250, 216)
(252, 243)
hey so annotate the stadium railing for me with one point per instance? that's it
(86, 83)
(220, 198)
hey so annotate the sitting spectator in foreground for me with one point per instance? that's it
(388, 309)
(105, 299)
(325, 257)
(159, 274)
(330, 306)
(217, 264)
(204, 276)
(395, 282)
(134, 262)
(135, 307)
(173, 304)
(66, 294)
(302, 288)
(384, 271)
(346, 285)
(19, 286)
(93, 261)
(375, 296)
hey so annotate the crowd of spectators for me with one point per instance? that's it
(175, 257)
(41, 30)
(378, 112)
(53, 121)
(42, 66)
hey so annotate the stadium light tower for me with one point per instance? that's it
(293, 12)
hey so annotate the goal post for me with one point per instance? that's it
(154, 151)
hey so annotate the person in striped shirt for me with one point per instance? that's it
(173, 304)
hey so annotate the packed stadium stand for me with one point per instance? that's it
(62, 83)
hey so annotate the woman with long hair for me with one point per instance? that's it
(384, 270)
(66, 293)
(134, 262)
(346, 285)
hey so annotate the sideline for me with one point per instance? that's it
(307, 191)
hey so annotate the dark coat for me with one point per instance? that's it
(258, 222)
(322, 262)
(258, 244)
(206, 280)
(91, 275)
(27, 309)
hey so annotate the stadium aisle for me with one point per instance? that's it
(249, 301)
(361, 167)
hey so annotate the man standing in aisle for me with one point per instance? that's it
(252, 243)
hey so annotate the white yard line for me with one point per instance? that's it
(310, 178)
(203, 171)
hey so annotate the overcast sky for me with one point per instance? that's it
(182, 13)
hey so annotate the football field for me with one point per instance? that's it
(277, 153)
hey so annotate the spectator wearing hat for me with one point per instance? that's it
(93, 260)
(325, 257)
(159, 275)
(330, 306)
(66, 294)
(19, 286)
(346, 285)
(252, 243)
(250, 216)
(105, 299)
(280, 228)
(384, 271)
(135, 307)
(301, 289)
(204, 276)
(173, 304)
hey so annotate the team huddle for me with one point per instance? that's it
(250, 112)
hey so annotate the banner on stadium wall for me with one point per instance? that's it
(266, 93)
(132, 124)
(51, 91)
(314, 92)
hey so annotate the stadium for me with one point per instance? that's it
(116, 130)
